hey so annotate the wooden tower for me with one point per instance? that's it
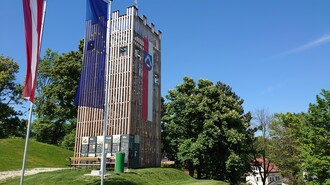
(134, 107)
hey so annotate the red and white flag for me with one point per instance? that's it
(147, 82)
(32, 27)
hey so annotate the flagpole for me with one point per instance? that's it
(105, 110)
(43, 19)
(31, 105)
(26, 143)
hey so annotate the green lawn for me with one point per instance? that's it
(39, 155)
(150, 176)
(44, 155)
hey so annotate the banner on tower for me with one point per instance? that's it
(147, 81)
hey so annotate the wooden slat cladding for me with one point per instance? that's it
(125, 89)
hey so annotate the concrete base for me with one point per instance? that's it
(96, 172)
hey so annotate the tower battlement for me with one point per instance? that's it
(133, 10)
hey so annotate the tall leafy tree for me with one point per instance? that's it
(285, 145)
(10, 94)
(57, 84)
(206, 129)
(316, 140)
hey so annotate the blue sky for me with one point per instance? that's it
(274, 54)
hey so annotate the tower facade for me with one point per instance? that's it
(134, 100)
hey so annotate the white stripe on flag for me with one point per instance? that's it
(35, 41)
(32, 25)
(151, 84)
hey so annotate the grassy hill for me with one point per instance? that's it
(44, 155)
(149, 176)
(39, 155)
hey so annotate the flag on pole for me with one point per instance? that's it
(32, 28)
(33, 25)
(91, 87)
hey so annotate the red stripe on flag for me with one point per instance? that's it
(32, 28)
(145, 84)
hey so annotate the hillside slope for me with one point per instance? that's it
(148, 176)
(39, 155)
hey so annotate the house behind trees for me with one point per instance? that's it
(273, 173)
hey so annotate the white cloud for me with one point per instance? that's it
(322, 40)
(272, 88)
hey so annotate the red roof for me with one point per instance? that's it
(269, 166)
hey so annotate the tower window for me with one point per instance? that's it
(156, 79)
(123, 50)
(137, 53)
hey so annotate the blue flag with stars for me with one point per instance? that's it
(91, 87)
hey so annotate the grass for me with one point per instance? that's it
(44, 155)
(39, 155)
(149, 176)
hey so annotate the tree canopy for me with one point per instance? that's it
(285, 145)
(315, 137)
(10, 95)
(206, 129)
(58, 79)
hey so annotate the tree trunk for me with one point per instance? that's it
(199, 171)
(191, 169)
(177, 164)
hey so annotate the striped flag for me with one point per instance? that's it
(91, 87)
(147, 81)
(32, 27)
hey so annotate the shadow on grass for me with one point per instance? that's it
(128, 173)
(120, 181)
(116, 181)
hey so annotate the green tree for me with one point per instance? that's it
(285, 146)
(57, 84)
(69, 140)
(315, 134)
(10, 94)
(206, 130)
(164, 145)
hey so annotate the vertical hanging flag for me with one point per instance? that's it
(147, 81)
(91, 87)
(32, 28)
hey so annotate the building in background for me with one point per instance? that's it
(274, 176)
(134, 108)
